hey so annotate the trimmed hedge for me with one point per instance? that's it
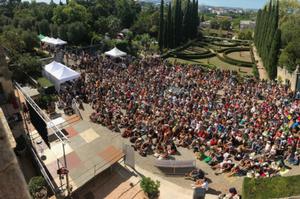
(183, 54)
(225, 45)
(206, 51)
(194, 56)
(234, 62)
(180, 48)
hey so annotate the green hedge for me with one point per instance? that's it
(225, 45)
(275, 187)
(234, 62)
(206, 51)
(183, 53)
(193, 56)
(179, 48)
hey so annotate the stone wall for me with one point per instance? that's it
(12, 182)
(5, 75)
(284, 76)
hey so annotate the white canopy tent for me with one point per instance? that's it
(115, 52)
(58, 73)
(53, 41)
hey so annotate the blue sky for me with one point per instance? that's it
(235, 3)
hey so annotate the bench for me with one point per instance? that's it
(177, 167)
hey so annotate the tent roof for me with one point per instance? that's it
(61, 72)
(41, 36)
(53, 41)
(115, 52)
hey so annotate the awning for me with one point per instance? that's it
(115, 52)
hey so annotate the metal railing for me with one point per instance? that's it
(43, 171)
(59, 134)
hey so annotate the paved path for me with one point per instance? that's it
(263, 75)
(216, 183)
(167, 188)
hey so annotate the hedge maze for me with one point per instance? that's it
(212, 48)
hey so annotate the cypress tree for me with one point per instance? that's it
(161, 26)
(195, 19)
(177, 23)
(187, 21)
(170, 27)
(274, 52)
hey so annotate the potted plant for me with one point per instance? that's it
(21, 145)
(37, 188)
(150, 187)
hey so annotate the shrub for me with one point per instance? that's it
(255, 71)
(234, 62)
(36, 184)
(225, 45)
(229, 60)
(150, 187)
(193, 56)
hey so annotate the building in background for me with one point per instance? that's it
(247, 24)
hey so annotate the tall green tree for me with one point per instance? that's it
(267, 37)
(274, 53)
(161, 27)
(188, 21)
(178, 17)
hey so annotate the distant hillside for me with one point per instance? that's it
(154, 1)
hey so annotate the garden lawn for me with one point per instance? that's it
(275, 187)
(241, 56)
(44, 83)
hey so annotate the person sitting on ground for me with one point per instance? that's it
(195, 174)
(231, 195)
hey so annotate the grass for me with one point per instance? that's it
(216, 62)
(275, 187)
(242, 56)
(43, 82)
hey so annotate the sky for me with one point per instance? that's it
(235, 3)
(223, 3)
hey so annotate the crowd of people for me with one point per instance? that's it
(239, 126)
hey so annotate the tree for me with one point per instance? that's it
(274, 52)
(73, 12)
(225, 24)
(30, 40)
(44, 27)
(147, 22)
(169, 35)
(188, 21)
(290, 56)
(266, 37)
(202, 18)
(127, 11)
(245, 34)
(178, 23)
(214, 24)
(77, 33)
(63, 32)
(114, 25)
(161, 27)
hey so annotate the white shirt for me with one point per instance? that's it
(205, 185)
